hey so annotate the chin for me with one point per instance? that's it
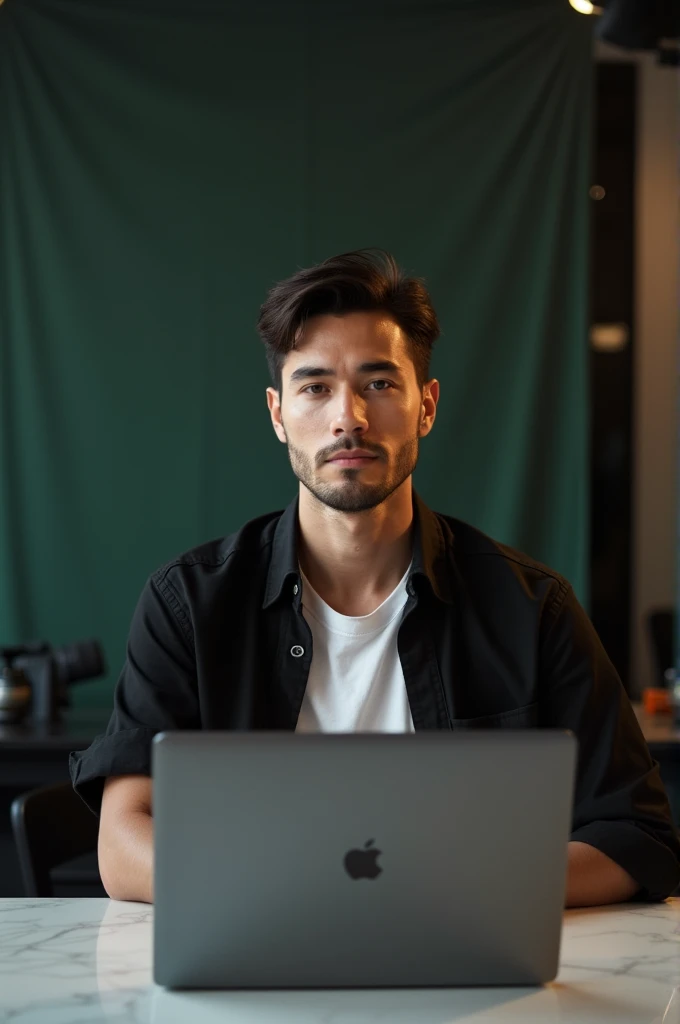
(349, 495)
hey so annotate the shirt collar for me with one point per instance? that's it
(430, 555)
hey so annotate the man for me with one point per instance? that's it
(359, 609)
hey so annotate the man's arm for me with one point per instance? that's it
(594, 879)
(157, 691)
(621, 810)
(125, 847)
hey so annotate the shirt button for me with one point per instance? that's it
(297, 651)
(295, 589)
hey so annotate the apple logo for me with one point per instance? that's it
(362, 863)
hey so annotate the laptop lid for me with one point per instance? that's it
(334, 860)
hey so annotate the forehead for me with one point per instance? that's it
(349, 338)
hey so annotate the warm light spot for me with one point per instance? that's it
(585, 7)
(609, 337)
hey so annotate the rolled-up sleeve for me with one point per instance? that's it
(156, 691)
(620, 805)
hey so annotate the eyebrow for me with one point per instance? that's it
(303, 372)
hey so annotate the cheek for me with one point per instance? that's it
(399, 417)
(303, 419)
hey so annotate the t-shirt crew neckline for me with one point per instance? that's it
(354, 625)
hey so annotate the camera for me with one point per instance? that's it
(35, 678)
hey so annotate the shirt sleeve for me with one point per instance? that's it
(620, 805)
(156, 691)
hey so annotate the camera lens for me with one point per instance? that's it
(84, 660)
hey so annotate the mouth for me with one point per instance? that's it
(352, 460)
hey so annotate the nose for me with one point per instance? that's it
(349, 414)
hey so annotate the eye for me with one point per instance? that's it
(306, 389)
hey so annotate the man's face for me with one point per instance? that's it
(331, 403)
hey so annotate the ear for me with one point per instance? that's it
(274, 405)
(428, 408)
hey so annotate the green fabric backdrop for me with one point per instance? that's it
(162, 164)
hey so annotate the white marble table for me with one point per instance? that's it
(80, 961)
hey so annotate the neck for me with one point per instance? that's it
(354, 560)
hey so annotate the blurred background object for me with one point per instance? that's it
(35, 678)
(642, 25)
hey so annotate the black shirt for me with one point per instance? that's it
(489, 639)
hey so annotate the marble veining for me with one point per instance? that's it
(87, 961)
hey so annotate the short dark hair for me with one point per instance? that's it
(360, 281)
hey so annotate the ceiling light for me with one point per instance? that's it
(585, 7)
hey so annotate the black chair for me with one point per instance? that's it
(52, 826)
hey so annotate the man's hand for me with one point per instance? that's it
(594, 879)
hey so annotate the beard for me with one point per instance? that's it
(348, 492)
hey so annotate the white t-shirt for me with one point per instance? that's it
(356, 682)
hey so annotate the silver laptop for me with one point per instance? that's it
(288, 860)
